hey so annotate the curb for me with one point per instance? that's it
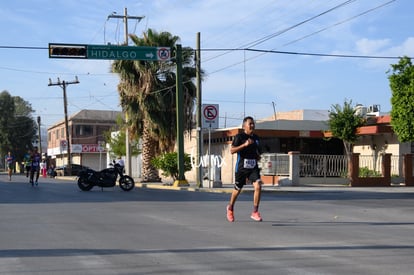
(186, 188)
(208, 190)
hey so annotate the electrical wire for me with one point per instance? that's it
(280, 32)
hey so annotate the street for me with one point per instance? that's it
(55, 228)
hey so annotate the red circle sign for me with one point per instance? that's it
(163, 53)
(210, 112)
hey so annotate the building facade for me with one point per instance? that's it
(300, 131)
(86, 136)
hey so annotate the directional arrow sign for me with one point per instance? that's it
(121, 52)
(109, 52)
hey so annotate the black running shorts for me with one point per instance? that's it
(243, 175)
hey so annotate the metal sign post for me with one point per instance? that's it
(210, 121)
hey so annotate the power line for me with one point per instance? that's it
(239, 49)
(339, 23)
(280, 32)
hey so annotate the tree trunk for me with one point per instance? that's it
(348, 151)
(149, 172)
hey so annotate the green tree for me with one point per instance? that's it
(117, 142)
(18, 129)
(402, 86)
(343, 123)
(6, 116)
(147, 91)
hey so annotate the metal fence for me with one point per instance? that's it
(323, 165)
(274, 164)
(374, 163)
(312, 165)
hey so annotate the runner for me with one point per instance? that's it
(246, 145)
(9, 162)
(35, 168)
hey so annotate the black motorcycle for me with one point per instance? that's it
(89, 178)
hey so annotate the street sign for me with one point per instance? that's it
(210, 116)
(127, 53)
(109, 52)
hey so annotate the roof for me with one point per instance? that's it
(91, 115)
(95, 115)
(293, 125)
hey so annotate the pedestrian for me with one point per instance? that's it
(35, 168)
(43, 168)
(120, 161)
(9, 161)
(27, 159)
(246, 145)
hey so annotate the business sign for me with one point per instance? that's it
(109, 52)
(210, 116)
(91, 148)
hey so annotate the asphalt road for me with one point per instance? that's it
(57, 229)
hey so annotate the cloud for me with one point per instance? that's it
(366, 46)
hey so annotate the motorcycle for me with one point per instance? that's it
(107, 177)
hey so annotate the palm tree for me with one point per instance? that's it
(147, 93)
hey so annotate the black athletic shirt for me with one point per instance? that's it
(247, 157)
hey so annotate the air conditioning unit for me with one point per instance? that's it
(373, 108)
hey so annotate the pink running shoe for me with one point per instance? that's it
(230, 215)
(256, 216)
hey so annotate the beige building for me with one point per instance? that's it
(86, 134)
(301, 130)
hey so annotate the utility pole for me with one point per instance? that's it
(125, 17)
(40, 136)
(63, 85)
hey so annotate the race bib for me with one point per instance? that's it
(249, 163)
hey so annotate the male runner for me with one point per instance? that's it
(246, 145)
(35, 168)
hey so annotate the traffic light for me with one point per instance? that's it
(67, 51)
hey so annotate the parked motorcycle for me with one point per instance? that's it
(107, 177)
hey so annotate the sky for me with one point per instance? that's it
(301, 71)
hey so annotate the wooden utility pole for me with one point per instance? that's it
(63, 85)
(125, 17)
(40, 136)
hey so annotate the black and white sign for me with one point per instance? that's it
(210, 116)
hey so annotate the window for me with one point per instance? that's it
(100, 130)
(84, 130)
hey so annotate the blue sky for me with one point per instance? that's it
(241, 82)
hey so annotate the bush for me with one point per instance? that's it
(169, 165)
(365, 172)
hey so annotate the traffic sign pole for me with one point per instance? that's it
(179, 98)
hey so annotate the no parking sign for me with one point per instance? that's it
(210, 114)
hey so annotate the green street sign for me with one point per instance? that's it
(109, 52)
(127, 53)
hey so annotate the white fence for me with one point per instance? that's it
(323, 166)
(312, 165)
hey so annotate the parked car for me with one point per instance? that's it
(63, 170)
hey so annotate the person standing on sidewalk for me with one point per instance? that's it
(35, 168)
(246, 145)
(9, 162)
